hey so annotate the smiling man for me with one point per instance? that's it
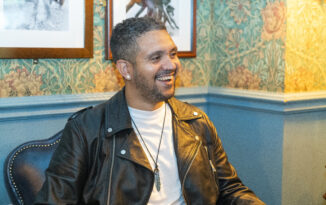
(150, 76)
(142, 146)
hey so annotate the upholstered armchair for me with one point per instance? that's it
(25, 166)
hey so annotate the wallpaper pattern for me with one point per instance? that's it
(249, 37)
(240, 44)
(305, 46)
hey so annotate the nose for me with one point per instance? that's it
(170, 63)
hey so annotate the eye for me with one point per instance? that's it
(155, 58)
(173, 54)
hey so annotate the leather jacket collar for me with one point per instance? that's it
(118, 121)
(119, 117)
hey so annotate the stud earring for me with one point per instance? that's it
(128, 77)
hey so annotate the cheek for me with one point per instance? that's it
(150, 71)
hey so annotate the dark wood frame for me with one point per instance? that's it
(36, 53)
(109, 23)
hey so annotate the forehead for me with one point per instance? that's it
(158, 40)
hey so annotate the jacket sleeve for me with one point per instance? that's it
(232, 190)
(67, 170)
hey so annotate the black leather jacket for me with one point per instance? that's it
(88, 167)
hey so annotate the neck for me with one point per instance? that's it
(140, 103)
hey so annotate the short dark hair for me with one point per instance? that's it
(124, 35)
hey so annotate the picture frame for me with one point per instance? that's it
(179, 17)
(62, 29)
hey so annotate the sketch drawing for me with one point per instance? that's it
(158, 9)
(48, 15)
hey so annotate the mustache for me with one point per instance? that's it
(165, 72)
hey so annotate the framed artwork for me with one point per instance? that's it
(179, 17)
(46, 29)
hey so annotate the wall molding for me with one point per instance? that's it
(268, 102)
(17, 108)
(42, 106)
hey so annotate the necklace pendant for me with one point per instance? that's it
(157, 179)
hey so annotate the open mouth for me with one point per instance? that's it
(165, 78)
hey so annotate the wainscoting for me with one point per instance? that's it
(275, 141)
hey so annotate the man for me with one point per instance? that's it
(142, 146)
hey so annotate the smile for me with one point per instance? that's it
(165, 78)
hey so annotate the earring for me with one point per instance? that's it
(128, 77)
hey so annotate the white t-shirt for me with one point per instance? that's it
(149, 124)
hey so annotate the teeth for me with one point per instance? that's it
(164, 78)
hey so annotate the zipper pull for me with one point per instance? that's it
(210, 161)
(212, 165)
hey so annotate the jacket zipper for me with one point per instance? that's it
(111, 170)
(210, 161)
(184, 178)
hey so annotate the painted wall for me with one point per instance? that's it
(304, 161)
(276, 142)
(252, 138)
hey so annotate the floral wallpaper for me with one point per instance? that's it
(249, 40)
(244, 44)
(305, 46)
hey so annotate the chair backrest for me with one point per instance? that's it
(25, 168)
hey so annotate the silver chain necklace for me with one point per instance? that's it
(156, 169)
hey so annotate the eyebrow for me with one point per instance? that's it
(160, 52)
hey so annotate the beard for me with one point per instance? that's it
(152, 92)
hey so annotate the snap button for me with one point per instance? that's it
(123, 152)
(196, 137)
(109, 129)
(195, 113)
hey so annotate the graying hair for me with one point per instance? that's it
(124, 36)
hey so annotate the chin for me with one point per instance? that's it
(164, 93)
(169, 94)
(164, 96)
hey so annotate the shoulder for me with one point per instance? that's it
(185, 110)
(98, 111)
(193, 117)
(86, 124)
(93, 120)
(88, 113)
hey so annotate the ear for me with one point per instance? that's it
(125, 68)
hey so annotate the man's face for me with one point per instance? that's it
(155, 68)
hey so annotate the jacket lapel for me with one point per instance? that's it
(132, 150)
(118, 122)
(186, 140)
(186, 144)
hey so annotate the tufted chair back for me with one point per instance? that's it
(25, 166)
